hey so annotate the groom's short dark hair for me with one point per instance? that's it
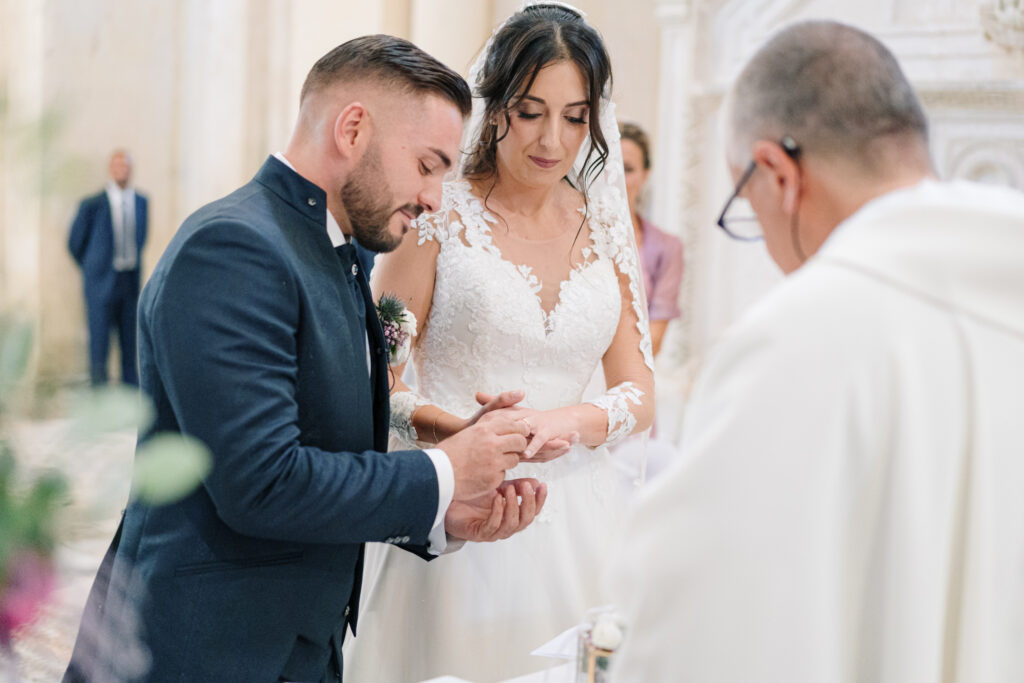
(392, 62)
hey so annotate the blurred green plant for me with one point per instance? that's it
(167, 468)
(27, 510)
(15, 349)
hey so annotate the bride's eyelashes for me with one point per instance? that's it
(576, 120)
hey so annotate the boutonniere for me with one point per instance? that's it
(399, 325)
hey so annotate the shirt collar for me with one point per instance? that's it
(115, 189)
(338, 238)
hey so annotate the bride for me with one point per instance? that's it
(526, 279)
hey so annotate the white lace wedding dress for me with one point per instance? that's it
(477, 613)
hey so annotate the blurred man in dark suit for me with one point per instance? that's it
(106, 241)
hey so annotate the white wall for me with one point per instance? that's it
(971, 87)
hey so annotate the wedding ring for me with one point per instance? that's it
(528, 425)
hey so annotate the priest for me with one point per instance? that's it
(848, 503)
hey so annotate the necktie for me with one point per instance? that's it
(126, 222)
(124, 234)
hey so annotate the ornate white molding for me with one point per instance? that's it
(996, 162)
(979, 142)
(1007, 97)
(1003, 21)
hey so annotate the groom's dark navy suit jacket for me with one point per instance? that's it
(251, 340)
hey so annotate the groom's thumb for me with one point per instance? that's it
(503, 400)
(510, 398)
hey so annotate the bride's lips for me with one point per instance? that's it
(544, 163)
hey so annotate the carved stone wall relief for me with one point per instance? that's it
(1003, 21)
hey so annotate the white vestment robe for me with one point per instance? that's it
(848, 505)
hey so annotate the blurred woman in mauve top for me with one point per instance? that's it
(661, 254)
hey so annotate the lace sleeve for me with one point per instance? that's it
(403, 405)
(618, 403)
(439, 226)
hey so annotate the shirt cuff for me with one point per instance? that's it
(437, 540)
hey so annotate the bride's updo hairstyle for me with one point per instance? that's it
(531, 39)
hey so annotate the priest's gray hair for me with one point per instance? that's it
(834, 89)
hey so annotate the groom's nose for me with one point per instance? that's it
(429, 198)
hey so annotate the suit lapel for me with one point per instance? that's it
(107, 216)
(140, 224)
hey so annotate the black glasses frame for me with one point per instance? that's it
(792, 149)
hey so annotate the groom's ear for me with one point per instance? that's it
(352, 130)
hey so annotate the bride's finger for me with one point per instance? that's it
(551, 451)
(540, 439)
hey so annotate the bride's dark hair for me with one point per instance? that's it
(533, 38)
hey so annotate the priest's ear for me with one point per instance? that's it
(783, 173)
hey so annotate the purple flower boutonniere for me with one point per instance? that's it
(399, 325)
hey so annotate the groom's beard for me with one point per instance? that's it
(369, 215)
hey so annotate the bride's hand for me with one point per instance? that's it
(548, 438)
(496, 515)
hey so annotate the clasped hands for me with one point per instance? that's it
(485, 507)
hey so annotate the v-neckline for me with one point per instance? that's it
(522, 271)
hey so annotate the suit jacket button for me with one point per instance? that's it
(355, 269)
(347, 610)
(405, 539)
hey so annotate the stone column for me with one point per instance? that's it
(675, 75)
(671, 197)
(212, 100)
(21, 108)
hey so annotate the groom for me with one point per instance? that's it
(258, 336)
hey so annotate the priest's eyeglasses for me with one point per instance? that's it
(737, 218)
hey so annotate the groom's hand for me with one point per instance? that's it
(547, 438)
(481, 453)
(496, 515)
(488, 403)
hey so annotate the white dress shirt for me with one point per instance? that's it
(437, 540)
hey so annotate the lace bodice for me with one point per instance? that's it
(488, 330)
